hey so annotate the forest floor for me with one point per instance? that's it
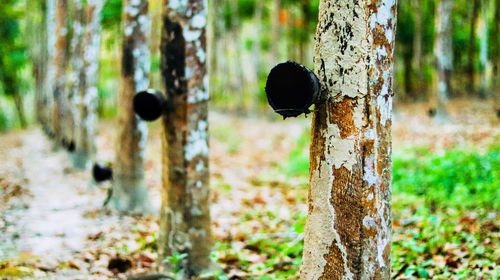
(53, 226)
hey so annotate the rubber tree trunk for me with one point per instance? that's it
(129, 191)
(348, 228)
(484, 61)
(60, 61)
(444, 57)
(86, 102)
(50, 66)
(185, 213)
(417, 50)
(37, 34)
(75, 67)
(472, 45)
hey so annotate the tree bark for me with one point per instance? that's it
(86, 102)
(472, 44)
(444, 57)
(60, 61)
(185, 214)
(347, 234)
(129, 191)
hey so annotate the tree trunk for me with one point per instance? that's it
(484, 62)
(496, 42)
(417, 49)
(472, 45)
(75, 76)
(50, 66)
(185, 214)
(61, 44)
(347, 234)
(275, 31)
(444, 57)
(129, 191)
(19, 104)
(259, 7)
(86, 105)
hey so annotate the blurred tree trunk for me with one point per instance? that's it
(86, 102)
(275, 31)
(50, 65)
(484, 62)
(347, 233)
(37, 41)
(259, 7)
(60, 61)
(238, 84)
(417, 50)
(305, 6)
(472, 45)
(496, 41)
(129, 190)
(73, 120)
(19, 104)
(185, 213)
(444, 57)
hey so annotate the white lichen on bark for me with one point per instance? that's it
(185, 215)
(347, 234)
(129, 190)
(86, 100)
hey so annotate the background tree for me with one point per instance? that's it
(86, 102)
(444, 56)
(60, 63)
(129, 192)
(185, 213)
(347, 234)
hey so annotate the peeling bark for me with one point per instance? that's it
(444, 57)
(185, 213)
(86, 100)
(129, 191)
(347, 234)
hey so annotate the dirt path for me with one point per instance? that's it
(49, 221)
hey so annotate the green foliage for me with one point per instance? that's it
(112, 14)
(457, 177)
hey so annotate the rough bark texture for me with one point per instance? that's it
(86, 100)
(60, 62)
(129, 192)
(444, 56)
(347, 234)
(185, 213)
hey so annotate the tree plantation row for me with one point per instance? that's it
(163, 61)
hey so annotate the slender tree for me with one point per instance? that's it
(472, 43)
(48, 96)
(484, 60)
(86, 101)
(185, 215)
(75, 67)
(129, 191)
(347, 234)
(417, 46)
(60, 63)
(444, 56)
